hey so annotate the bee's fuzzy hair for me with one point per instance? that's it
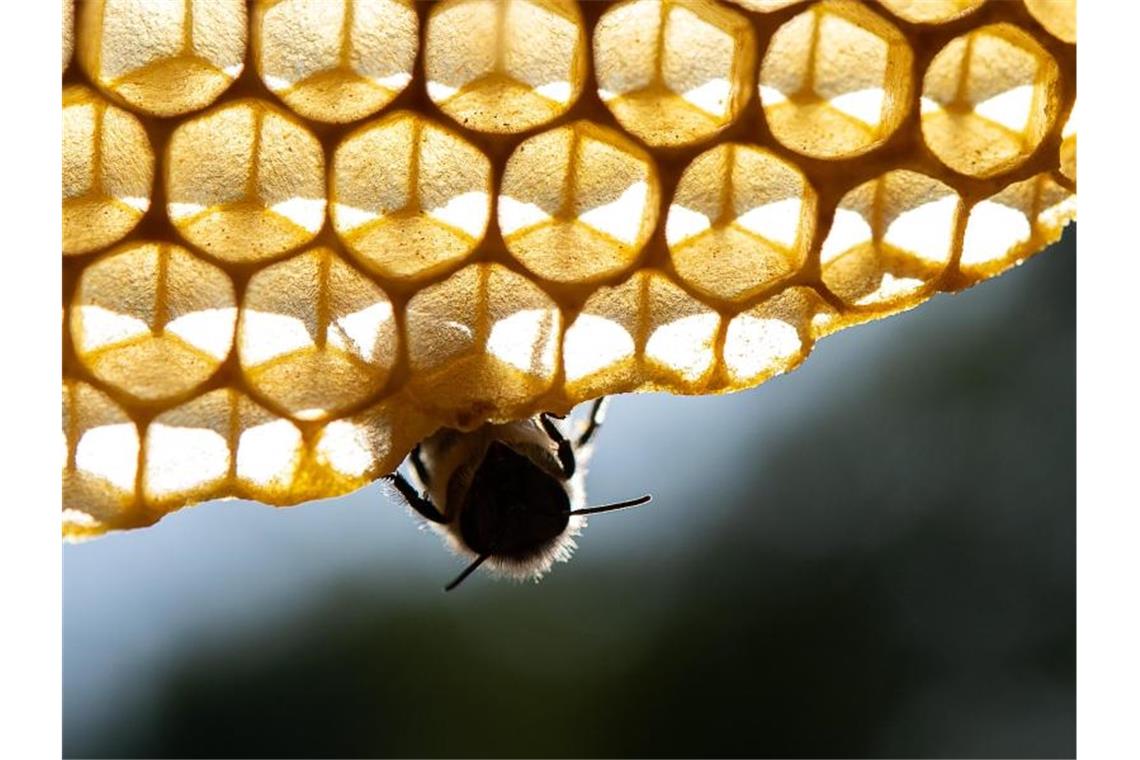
(560, 549)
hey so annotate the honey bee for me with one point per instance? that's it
(510, 495)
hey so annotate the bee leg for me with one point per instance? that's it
(565, 448)
(595, 420)
(418, 465)
(417, 502)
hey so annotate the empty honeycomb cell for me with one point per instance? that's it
(988, 99)
(484, 339)
(1059, 17)
(1004, 228)
(680, 336)
(774, 336)
(153, 320)
(359, 448)
(100, 460)
(504, 65)
(674, 72)
(931, 11)
(335, 60)
(219, 440)
(315, 335)
(163, 58)
(409, 197)
(836, 80)
(741, 221)
(108, 171)
(602, 345)
(1069, 146)
(578, 203)
(890, 239)
(245, 182)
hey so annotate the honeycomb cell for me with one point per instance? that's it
(484, 339)
(680, 336)
(164, 58)
(153, 320)
(315, 335)
(409, 198)
(836, 80)
(1008, 226)
(674, 72)
(578, 203)
(931, 11)
(890, 239)
(245, 182)
(335, 60)
(504, 65)
(741, 221)
(988, 99)
(1069, 145)
(365, 445)
(774, 336)
(218, 442)
(1059, 17)
(100, 460)
(108, 171)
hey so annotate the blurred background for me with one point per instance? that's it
(872, 556)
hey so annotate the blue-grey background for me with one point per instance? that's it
(871, 556)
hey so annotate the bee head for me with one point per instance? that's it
(514, 509)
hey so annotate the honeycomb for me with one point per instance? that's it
(300, 235)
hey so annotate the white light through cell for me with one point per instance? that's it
(864, 105)
(593, 343)
(363, 329)
(778, 222)
(525, 340)
(515, 215)
(266, 335)
(848, 229)
(1011, 109)
(346, 447)
(712, 97)
(926, 231)
(110, 452)
(267, 454)
(467, 212)
(770, 96)
(179, 459)
(440, 92)
(100, 327)
(992, 230)
(308, 213)
(620, 218)
(684, 223)
(350, 217)
(209, 330)
(890, 288)
(559, 92)
(754, 346)
(394, 82)
(685, 345)
(179, 211)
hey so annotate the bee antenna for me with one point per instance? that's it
(467, 571)
(616, 505)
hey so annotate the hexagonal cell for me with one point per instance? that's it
(504, 65)
(153, 320)
(1013, 223)
(335, 60)
(1069, 145)
(680, 336)
(741, 221)
(931, 11)
(774, 336)
(101, 454)
(315, 336)
(578, 203)
(108, 170)
(409, 198)
(835, 81)
(218, 442)
(164, 57)
(374, 442)
(890, 239)
(1059, 17)
(245, 182)
(674, 72)
(988, 99)
(485, 339)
